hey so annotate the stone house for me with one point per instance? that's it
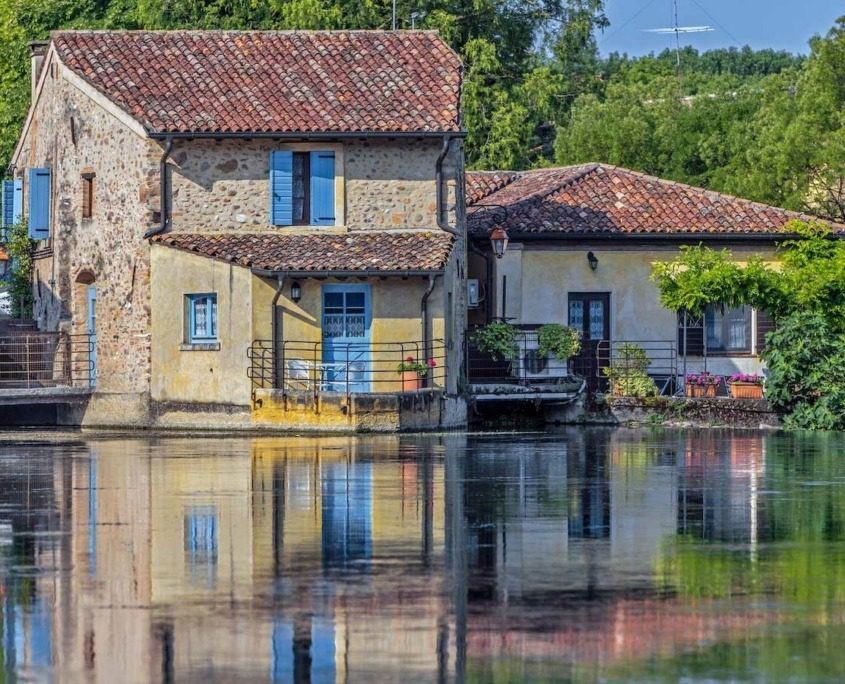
(582, 242)
(255, 228)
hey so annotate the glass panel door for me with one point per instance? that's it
(346, 338)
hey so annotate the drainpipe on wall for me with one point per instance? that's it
(432, 280)
(278, 330)
(442, 219)
(164, 202)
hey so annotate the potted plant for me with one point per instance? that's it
(561, 340)
(628, 374)
(746, 386)
(497, 339)
(702, 384)
(413, 372)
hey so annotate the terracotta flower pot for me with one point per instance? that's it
(701, 390)
(411, 381)
(746, 390)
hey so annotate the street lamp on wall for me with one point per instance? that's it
(295, 292)
(593, 259)
(499, 241)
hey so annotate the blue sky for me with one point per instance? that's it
(779, 24)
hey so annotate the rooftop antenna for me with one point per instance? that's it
(678, 30)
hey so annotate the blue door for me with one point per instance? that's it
(92, 331)
(346, 338)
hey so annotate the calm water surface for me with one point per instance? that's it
(582, 556)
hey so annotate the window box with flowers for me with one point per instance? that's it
(746, 386)
(413, 372)
(702, 384)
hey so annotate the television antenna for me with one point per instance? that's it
(677, 31)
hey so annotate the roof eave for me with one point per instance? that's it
(648, 237)
(303, 135)
(369, 273)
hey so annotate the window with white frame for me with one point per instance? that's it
(201, 318)
(728, 328)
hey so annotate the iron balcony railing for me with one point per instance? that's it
(316, 367)
(662, 359)
(30, 360)
(526, 367)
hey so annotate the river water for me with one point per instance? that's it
(586, 555)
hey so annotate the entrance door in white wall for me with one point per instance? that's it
(589, 313)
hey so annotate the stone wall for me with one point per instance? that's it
(224, 185)
(70, 132)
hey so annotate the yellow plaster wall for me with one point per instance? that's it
(244, 304)
(179, 375)
(540, 279)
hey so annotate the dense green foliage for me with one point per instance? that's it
(806, 297)
(762, 124)
(19, 248)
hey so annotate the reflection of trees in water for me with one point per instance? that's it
(794, 486)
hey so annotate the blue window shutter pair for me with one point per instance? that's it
(39, 204)
(321, 188)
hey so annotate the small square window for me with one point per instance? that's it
(202, 318)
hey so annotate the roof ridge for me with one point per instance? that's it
(546, 192)
(243, 31)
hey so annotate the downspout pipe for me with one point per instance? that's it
(442, 218)
(164, 200)
(278, 331)
(432, 281)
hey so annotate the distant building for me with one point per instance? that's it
(582, 242)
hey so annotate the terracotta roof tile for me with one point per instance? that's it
(596, 199)
(377, 251)
(272, 81)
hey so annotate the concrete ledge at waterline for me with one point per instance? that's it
(681, 411)
(118, 409)
(305, 411)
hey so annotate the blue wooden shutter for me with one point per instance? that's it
(322, 189)
(281, 188)
(17, 204)
(8, 203)
(39, 204)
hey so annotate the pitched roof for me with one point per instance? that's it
(601, 200)
(272, 81)
(376, 251)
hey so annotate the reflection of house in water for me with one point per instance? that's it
(718, 495)
(343, 558)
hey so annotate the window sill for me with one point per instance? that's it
(199, 346)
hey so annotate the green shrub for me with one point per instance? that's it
(497, 339)
(628, 373)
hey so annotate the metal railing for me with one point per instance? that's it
(346, 367)
(526, 367)
(662, 363)
(30, 360)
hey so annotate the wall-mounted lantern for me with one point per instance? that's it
(499, 241)
(295, 292)
(594, 261)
